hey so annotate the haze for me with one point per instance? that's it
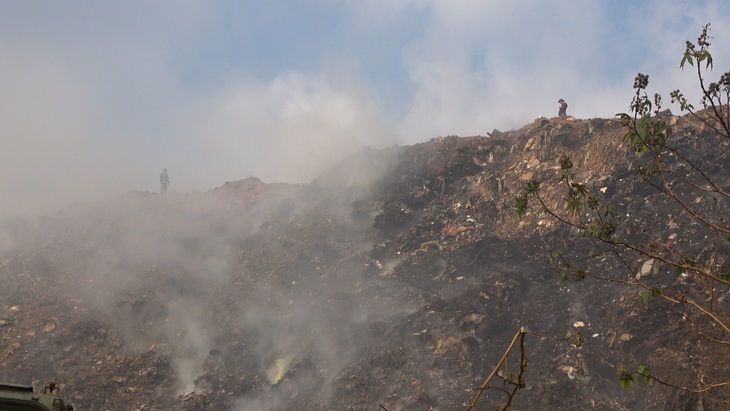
(98, 97)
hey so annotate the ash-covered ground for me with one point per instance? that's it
(395, 281)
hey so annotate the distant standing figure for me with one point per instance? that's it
(563, 108)
(164, 181)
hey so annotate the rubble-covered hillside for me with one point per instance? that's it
(394, 281)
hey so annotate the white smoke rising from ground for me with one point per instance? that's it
(188, 329)
(177, 274)
(99, 107)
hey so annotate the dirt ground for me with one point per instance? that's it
(394, 281)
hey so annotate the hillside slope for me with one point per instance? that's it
(395, 280)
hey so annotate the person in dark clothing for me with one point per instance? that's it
(164, 181)
(563, 108)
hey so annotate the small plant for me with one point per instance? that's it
(679, 176)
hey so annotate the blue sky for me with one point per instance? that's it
(98, 97)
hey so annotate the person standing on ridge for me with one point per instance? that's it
(563, 108)
(164, 181)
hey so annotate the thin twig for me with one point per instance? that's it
(481, 389)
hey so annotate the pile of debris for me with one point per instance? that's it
(400, 287)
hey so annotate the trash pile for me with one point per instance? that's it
(395, 281)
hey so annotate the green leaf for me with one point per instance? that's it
(532, 187)
(573, 205)
(607, 230)
(644, 373)
(686, 59)
(579, 188)
(521, 204)
(624, 118)
(705, 55)
(610, 212)
(644, 297)
(649, 170)
(625, 378)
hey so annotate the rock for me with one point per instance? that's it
(527, 177)
(646, 269)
